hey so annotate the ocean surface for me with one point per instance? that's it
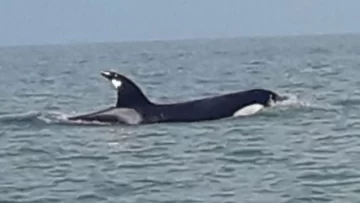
(306, 149)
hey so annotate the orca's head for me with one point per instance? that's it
(275, 98)
(129, 93)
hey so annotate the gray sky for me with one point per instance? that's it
(68, 21)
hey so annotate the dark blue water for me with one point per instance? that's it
(306, 149)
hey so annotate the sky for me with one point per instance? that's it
(24, 22)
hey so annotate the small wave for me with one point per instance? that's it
(256, 62)
(81, 61)
(318, 66)
(19, 116)
(319, 50)
(45, 118)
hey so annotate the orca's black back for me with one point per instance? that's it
(205, 109)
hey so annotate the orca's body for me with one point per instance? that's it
(133, 107)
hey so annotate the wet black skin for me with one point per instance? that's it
(132, 103)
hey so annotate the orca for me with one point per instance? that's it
(133, 107)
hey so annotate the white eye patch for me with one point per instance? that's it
(116, 83)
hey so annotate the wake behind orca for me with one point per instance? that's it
(133, 107)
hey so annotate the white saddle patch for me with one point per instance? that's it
(249, 110)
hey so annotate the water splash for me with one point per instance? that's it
(292, 101)
(295, 103)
